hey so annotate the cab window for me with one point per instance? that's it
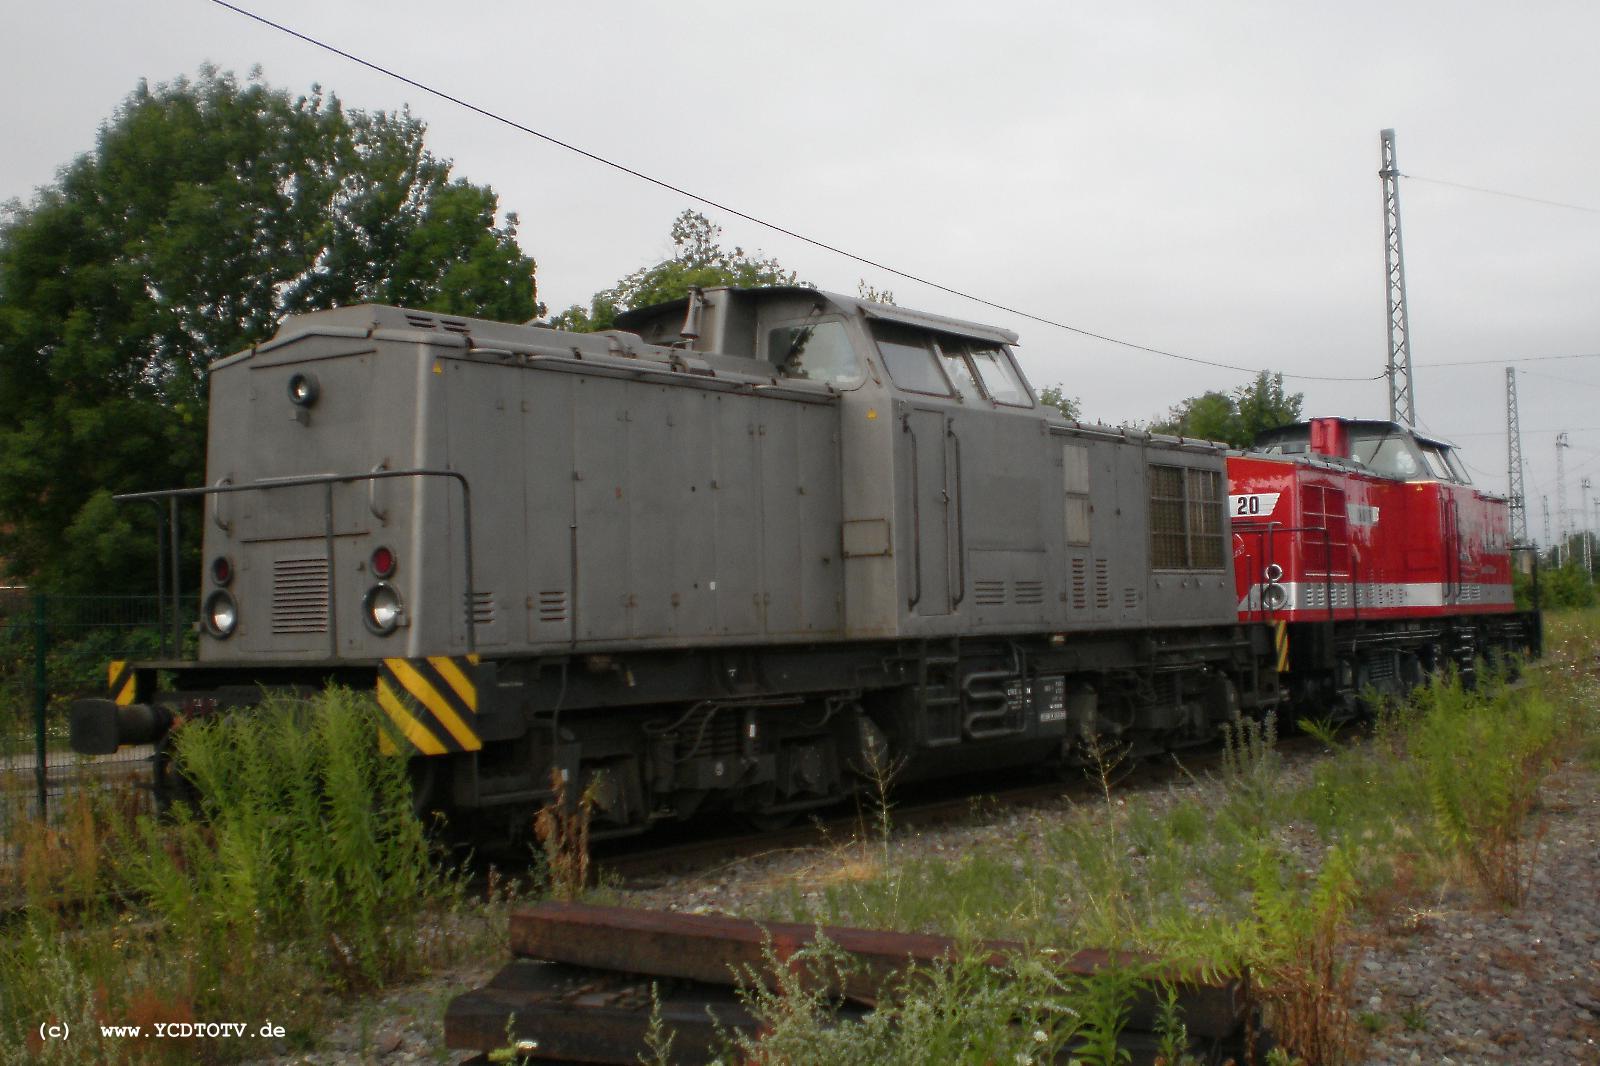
(1436, 464)
(816, 351)
(957, 369)
(1000, 379)
(909, 358)
(1388, 455)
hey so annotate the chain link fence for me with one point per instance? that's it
(54, 649)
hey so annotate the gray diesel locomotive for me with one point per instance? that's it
(733, 555)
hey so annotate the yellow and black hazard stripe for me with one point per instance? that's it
(431, 704)
(123, 682)
(1280, 641)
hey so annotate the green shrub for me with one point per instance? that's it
(300, 872)
(1483, 755)
(304, 833)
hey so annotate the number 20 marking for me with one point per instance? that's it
(1248, 505)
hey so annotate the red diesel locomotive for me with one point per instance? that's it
(1376, 559)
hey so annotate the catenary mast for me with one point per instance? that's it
(1402, 398)
(1519, 505)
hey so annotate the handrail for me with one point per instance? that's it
(960, 591)
(172, 496)
(1268, 533)
(916, 515)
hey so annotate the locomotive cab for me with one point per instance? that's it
(1386, 449)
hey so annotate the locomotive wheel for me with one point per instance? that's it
(770, 821)
(167, 783)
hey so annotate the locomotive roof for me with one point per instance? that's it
(1382, 425)
(629, 320)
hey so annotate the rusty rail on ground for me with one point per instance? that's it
(580, 984)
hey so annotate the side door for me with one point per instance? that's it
(931, 511)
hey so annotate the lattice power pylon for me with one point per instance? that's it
(1563, 550)
(1583, 529)
(1402, 398)
(1519, 505)
(1545, 500)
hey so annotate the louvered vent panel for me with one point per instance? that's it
(453, 325)
(1029, 593)
(1130, 598)
(989, 593)
(419, 321)
(483, 608)
(1080, 584)
(300, 595)
(553, 606)
(1102, 585)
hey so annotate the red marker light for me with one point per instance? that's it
(383, 562)
(221, 570)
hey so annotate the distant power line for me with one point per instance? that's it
(1507, 195)
(773, 226)
(1504, 359)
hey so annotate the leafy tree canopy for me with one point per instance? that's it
(1235, 417)
(1056, 396)
(207, 211)
(698, 260)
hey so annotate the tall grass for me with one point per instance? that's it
(300, 873)
(1278, 873)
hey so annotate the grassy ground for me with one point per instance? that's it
(304, 884)
(302, 881)
(1268, 869)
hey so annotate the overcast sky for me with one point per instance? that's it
(1194, 177)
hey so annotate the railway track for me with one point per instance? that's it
(698, 848)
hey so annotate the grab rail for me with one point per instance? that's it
(328, 481)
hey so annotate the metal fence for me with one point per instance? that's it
(54, 649)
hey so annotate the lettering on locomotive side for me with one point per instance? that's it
(1253, 504)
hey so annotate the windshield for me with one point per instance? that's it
(1000, 378)
(816, 351)
(1389, 453)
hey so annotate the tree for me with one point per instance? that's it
(1055, 396)
(698, 260)
(873, 295)
(207, 211)
(1236, 417)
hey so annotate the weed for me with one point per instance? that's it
(1252, 769)
(1299, 956)
(1483, 755)
(1172, 1036)
(563, 832)
(300, 871)
(657, 1037)
(1414, 1018)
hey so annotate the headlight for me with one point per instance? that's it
(1273, 572)
(381, 609)
(303, 389)
(1274, 597)
(220, 615)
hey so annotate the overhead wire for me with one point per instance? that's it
(1507, 195)
(756, 220)
(1503, 360)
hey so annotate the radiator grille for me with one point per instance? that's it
(300, 595)
(553, 606)
(989, 593)
(482, 608)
